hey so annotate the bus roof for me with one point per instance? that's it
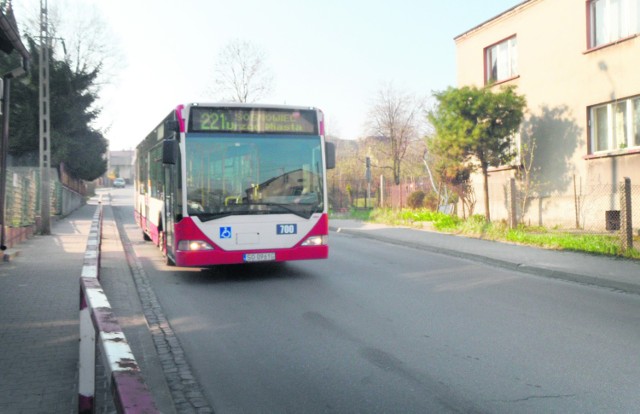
(248, 105)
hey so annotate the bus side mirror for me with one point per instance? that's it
(330, 155)
(171, 127)
(169, 151)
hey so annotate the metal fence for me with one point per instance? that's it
(22, 200)
(347, 194)
(588, 208)
(23, 196)
(599, 207)
(585, 208)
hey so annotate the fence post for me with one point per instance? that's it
(382, 188)
(626, 227)
(512, 198)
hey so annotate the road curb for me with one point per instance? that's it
(10, 254)
(504, 264)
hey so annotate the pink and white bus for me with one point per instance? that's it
(235, 183)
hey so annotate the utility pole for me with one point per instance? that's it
(367, 174)
(45, 136)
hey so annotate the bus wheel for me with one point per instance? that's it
(145, 236)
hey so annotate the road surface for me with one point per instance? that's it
(381, 328)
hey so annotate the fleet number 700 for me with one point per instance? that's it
(286, 229)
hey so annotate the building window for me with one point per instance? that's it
(501, 61)
(615, 125)
(611, 20)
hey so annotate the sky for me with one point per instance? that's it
(332, 54)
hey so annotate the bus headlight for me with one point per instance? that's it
(193, 245)
(315, 241)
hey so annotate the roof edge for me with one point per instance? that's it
(493, 18)
(9, 28)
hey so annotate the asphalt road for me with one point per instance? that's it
(382, 328)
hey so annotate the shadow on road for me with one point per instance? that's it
(244, 273)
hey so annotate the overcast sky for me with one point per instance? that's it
(332, 54)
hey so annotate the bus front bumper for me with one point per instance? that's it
(205, 258)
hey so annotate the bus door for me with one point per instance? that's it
(169, 208)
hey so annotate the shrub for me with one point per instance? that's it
(431, 201)
(416, 199)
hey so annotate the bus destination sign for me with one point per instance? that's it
(253, 120)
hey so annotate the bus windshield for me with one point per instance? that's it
(242, 174)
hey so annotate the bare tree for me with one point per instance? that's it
(91, 44)
(78, 30)
(395, 117)
(82, 38)
(241, 74)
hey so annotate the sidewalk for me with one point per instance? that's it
(608, 272)
(39, 295)
(39, 310)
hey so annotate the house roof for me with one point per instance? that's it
(492, 19)
(9, 34)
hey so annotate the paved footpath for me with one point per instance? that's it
(39, 311)
(39, 294)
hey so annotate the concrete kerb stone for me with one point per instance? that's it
(131, 394)
(510, 265)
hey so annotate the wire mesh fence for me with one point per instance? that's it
(599, 207)
(347, 194)
(591, 208)
(22, 197)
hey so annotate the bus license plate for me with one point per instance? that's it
(259, 257)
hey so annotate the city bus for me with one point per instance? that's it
(235, 183)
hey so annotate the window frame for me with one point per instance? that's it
(511, 60)
(613, 24)
(616, 140)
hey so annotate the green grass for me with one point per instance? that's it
(360, 214)
(591, 243)
(440, 221)
(476, 226)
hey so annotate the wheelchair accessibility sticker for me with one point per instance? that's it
(225, 232)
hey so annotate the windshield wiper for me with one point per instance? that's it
(213, 216)
(246, 209)
(285, 207)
